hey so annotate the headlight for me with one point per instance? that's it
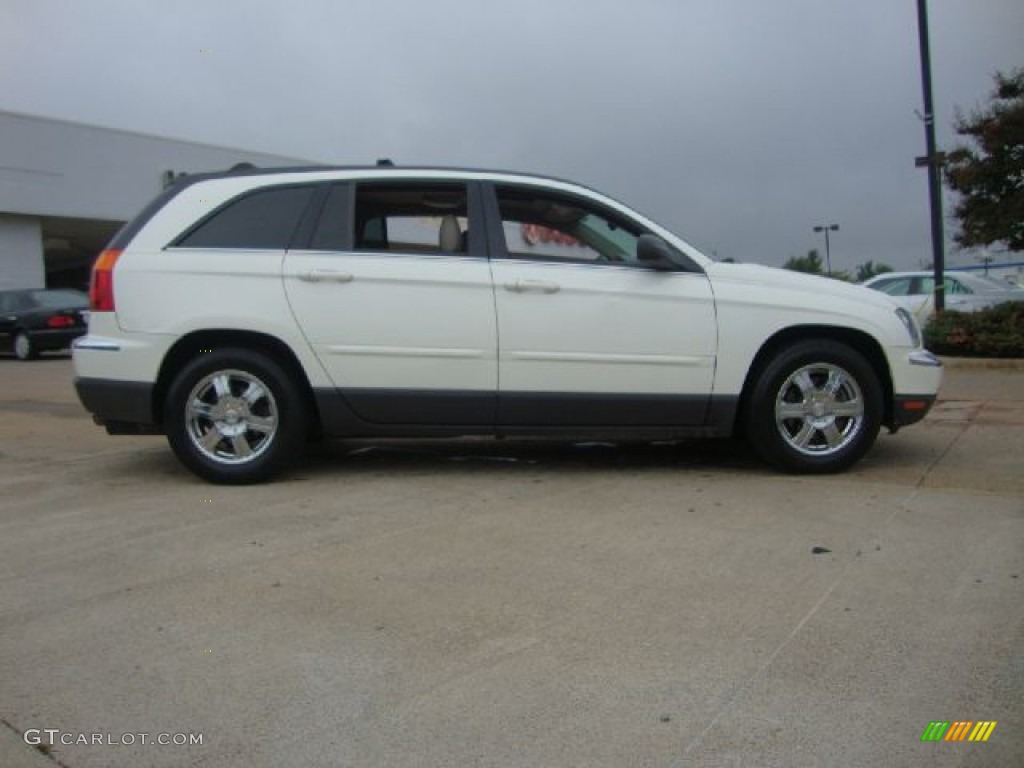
(911, 325)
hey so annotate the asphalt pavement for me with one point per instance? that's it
(482, 603)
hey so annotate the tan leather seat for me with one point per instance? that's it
(449, 237)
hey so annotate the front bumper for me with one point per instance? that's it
(916, 381)
(910, 409)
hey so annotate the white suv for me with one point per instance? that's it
(242, 313)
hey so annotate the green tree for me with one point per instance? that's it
(869, 269)
(811, 263)
(988, 172)
(841, 274)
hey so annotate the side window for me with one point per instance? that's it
(265, 219)
(897, 286)
(539, 225)
(955, 286)
(410, 217)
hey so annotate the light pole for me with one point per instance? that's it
(933, 160)
(826, 228)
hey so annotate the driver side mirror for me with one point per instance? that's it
(653, 252)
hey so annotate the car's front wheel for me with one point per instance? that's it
(815, 407)
(234, 416)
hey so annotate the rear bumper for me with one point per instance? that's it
(121, 406)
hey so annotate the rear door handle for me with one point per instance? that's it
(541, 286)
(325, 276)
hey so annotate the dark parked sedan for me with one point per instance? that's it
(34, 321)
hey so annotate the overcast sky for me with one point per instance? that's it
(739, 124)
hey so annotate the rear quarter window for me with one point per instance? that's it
(262, 220)
(11, 302)
(333, 232)
(60, 299)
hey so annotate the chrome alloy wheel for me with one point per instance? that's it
(231, 416)
(819, 409)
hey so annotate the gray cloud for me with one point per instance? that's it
(739, 124)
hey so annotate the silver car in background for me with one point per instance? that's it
(965, 292)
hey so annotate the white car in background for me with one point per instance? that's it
(241, 313)
(965, 292)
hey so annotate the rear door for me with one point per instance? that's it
(393, 292)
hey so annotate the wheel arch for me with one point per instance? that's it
(190, 345)
(857, 340)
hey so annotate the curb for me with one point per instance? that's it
(984, 363)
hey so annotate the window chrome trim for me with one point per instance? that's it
(383, 256)
(200, 249)
(601, 265)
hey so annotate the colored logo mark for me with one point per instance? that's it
(958, 730)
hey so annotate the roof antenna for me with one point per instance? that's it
(385, 162)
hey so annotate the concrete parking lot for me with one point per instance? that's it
(476, 603)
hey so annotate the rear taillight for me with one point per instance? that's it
(60, 321)
(101, 287)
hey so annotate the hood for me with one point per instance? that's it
(786, 279)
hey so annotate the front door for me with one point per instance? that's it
(587, 335)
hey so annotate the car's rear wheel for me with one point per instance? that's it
(235, 416)
(815, 407)
(23, 347)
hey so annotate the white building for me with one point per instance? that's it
(65, 189)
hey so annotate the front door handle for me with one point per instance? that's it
(541, 286)
(325, 276)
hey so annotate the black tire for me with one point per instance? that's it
(23, 348)
(815, 407)
(234, 416)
